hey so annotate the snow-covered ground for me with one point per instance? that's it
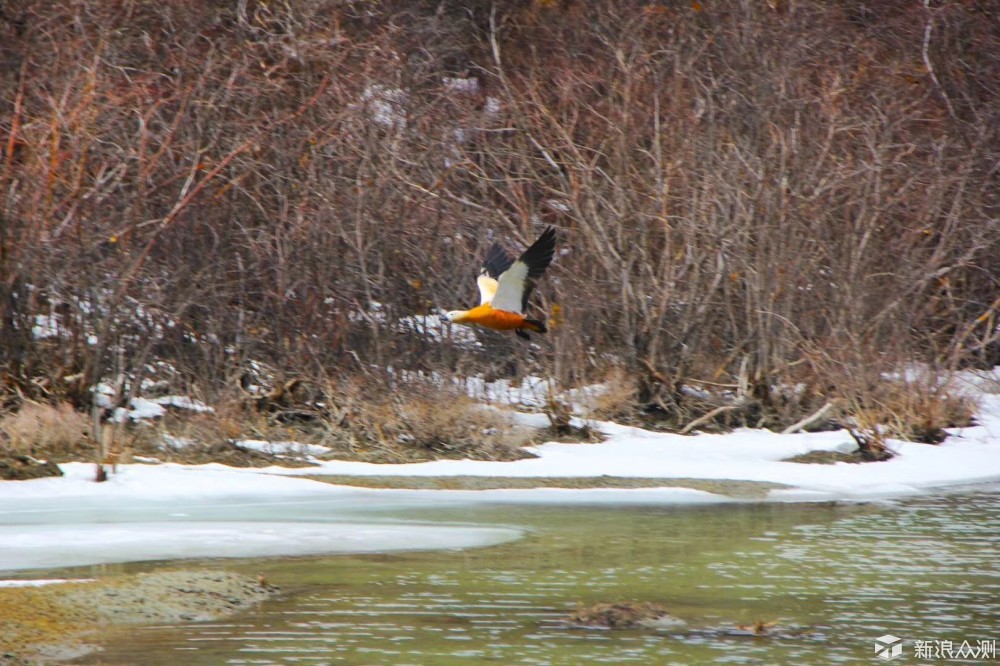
(172, 511)
(969, 455)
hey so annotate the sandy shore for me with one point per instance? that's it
(727, 487)
(54, 622)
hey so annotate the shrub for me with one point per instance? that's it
(396, 421)
(45, 431)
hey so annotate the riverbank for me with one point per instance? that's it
(165, 510)
(152, 510)
(61, 620)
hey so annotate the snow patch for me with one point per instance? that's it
(182, 402)
(141, 409)
(46, 326)
(386, 105)
(459, 85)
(434, 328)
(284, 448)
(39, 582)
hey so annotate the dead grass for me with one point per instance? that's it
(559, 411)
(825, 458)
(176, 435)
(45, 431)
(929, 411)
(376, 420)
(617, 399)
(917, 411)
(395, 422)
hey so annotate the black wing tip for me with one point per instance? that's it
(540, 254)
(547, 239)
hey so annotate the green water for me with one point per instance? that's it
(834, 576)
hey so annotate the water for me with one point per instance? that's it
(833, 578)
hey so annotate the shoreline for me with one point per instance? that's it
(728, 488)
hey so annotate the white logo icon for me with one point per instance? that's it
(888, 647)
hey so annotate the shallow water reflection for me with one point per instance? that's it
(840, 575)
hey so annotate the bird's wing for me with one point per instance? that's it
(487, 288)
(496, 263)
(515, 284)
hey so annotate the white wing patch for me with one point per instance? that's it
(510, 288)
(487, 288)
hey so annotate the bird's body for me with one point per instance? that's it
(500, 320)
(504, 287)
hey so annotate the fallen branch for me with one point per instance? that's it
(705, 418)
(809, 420)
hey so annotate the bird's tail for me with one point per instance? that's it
(536, 325)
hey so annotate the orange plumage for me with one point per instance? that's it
(500, 320)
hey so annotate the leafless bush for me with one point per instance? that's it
(737, 187)
(732, 205)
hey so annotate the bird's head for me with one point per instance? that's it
(454, 316)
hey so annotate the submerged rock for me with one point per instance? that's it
(650, 615)
(757, 630)
(623, 615)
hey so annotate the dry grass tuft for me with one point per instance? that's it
(917, 411)
(617, 399)
(417, 421)
(45, 431)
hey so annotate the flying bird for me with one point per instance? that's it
(504, 288)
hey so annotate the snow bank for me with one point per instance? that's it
(163, 482)
(970, 455)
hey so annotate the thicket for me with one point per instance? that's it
(783, 200)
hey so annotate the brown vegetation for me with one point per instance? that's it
(388, 420)
(751, 196)
(373, 418)
(38, 430)
(622, 615)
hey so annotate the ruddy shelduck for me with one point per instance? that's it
(504, 288)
